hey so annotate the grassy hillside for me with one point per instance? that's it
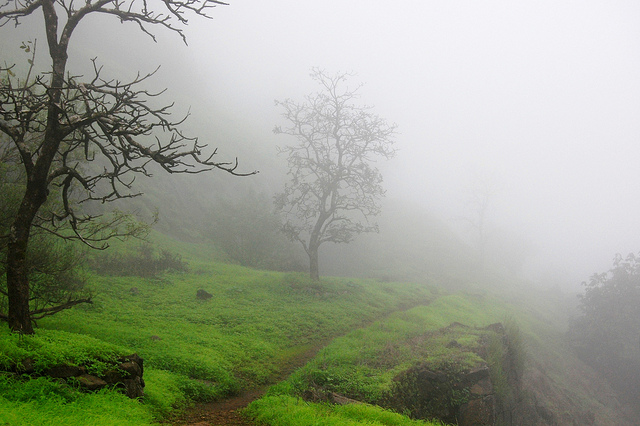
(201, 349)
(258, 321)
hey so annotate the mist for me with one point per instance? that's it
(543, 97)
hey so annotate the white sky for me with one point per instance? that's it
(544, 95)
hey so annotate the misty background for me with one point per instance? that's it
(541, 99)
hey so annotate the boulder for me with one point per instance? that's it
(91, 383)
(203, 295)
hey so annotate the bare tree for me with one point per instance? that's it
(59, 122)
(333, 189)
(480, 197)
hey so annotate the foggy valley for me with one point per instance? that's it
(486, 156)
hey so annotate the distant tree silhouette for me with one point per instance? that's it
(334, 189)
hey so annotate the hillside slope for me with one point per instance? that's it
(256, 322)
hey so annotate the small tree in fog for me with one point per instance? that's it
(479, 201)
(609, 326)
(607, 333)
(58, 122)
(333, 189)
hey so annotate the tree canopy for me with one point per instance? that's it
(607, 334)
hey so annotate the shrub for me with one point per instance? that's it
(144, 262)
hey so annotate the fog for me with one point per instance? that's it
(543, 97)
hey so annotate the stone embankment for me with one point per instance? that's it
(125, 374)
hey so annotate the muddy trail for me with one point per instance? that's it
(227, 412)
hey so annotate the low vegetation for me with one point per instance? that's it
(257, 322)
(291, 411)
(365, 364)
(39, 400)
(199, 350)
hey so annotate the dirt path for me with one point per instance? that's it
(227, 412)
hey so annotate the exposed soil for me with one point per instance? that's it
(227, 412)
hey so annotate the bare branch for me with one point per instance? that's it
(41, 313)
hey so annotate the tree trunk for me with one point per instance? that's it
(314, 272)
(18, 279)
(37, 182)
(17, 271)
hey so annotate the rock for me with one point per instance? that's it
(453, 344)
(113, 377)
(203, 295)
(315, 394)
(481, 388)
(26, 366)
(134, 388)
(132, 368)
(477, 374)
(125, 374)
(477, 412)
(91, 383)
(425, 375)
(341, 399)
(65, 371)
(496, 327)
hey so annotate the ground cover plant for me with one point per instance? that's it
(362, 365)
(286, 410)
(199, 350)
(26, 400)
(256, 322)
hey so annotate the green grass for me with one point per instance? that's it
(291, 411)
(51, 348)
(194, 350)
(362, 364)
(234, 338)
(43, 402)
(256, 322)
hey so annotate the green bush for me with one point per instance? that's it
(142, 262)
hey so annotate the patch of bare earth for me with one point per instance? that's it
(227, 412)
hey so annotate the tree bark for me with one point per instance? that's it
(314, 272)
(314, 245)
(18, 287)
(18, 296)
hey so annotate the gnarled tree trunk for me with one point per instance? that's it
(19, 318)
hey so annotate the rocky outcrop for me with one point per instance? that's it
(125, 374)
(464, 398)
(480, 409)
(466, 376)
(455, 395)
